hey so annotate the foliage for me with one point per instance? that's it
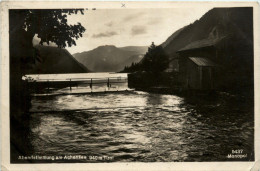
(51, 25)
(134, 67)
(155, 61)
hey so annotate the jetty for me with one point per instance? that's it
(82, 83)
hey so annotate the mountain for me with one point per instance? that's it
(233, 24)
(172, 37)
(224, 35)
(132, 59)
(110, 58)
(138, 49)
(54, 60)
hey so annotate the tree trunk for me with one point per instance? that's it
(21, 55)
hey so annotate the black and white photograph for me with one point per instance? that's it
(126, 85)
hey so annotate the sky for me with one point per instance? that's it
(130, 27)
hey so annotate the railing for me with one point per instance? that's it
(75, 81)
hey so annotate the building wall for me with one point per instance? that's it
(207, 78)
(208, 52)
(192, 77)
(189, 72)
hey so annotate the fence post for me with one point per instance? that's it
(70, 84)
(90, 83)
(48, 85)
(108, 82)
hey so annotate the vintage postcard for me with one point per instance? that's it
(130, 85)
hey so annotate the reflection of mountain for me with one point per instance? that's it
(235, 25)
(52, 60)
(110, 58)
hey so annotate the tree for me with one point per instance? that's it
(155, 60)
(50, 26)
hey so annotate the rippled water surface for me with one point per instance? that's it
(140, 126)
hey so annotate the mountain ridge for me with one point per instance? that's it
(235, 24)
(214, 20)
(109, 58)
(54, 60)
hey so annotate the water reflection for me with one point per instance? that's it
(139, 126)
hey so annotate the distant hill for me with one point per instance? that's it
(132, 59)
(138, 49)
(54, 60)
(110, 58)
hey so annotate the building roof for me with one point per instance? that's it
(201, 44)
(201, 61)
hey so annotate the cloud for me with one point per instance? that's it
(85, 34)
(136, 30)
(154, 21)
(110, 24)
(106, 34)
(132, 16)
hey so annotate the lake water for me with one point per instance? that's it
(140, 126)
(100, 82)
(79, 76)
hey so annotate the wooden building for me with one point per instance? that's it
(197, 69)
(200, 73)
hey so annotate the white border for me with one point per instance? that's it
(5, 164)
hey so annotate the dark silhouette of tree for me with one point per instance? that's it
(134, 67)
(50, 26)
(155, 60)
(151, 47)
